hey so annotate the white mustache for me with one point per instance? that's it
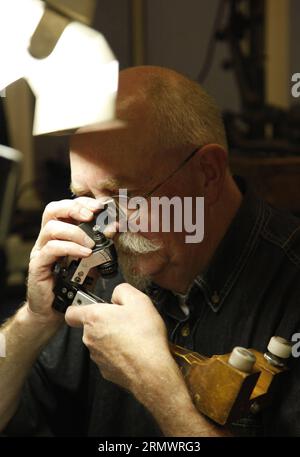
(136, 244)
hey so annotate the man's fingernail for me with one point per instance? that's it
(86, 213)
(89, 242)
(111, 230)
(85, 250)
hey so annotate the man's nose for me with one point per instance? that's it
(111, 230)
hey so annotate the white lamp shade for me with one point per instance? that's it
(18, 20)
(75, 86)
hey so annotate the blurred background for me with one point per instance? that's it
(244, 53)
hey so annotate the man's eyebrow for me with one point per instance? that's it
(110, 184)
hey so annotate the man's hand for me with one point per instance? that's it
(58, 237)
(126, 339)
(128, 342)
(36, 322)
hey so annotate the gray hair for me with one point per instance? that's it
(185, 114)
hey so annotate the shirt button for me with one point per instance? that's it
(185, 331)
(215, 298)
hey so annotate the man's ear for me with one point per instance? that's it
(212, 160)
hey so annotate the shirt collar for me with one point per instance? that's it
(234, 250)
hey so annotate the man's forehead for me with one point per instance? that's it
(115, 152)
(124, 158)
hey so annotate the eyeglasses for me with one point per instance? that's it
(117, 199)
(181, 165)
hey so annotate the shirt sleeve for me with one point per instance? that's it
(37, 404)
(52, 400)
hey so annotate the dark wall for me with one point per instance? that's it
(178, 33)
(112, 19)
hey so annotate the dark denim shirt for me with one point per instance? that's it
(250, 292)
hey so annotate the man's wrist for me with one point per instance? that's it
(164, 393)
(41, 327)
(162, 383)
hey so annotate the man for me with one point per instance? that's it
(239, 286)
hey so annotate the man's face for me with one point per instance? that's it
(101, 172)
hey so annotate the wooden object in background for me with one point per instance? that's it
(222, 392)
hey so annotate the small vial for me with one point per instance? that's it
(278, 351)
(242, 359)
